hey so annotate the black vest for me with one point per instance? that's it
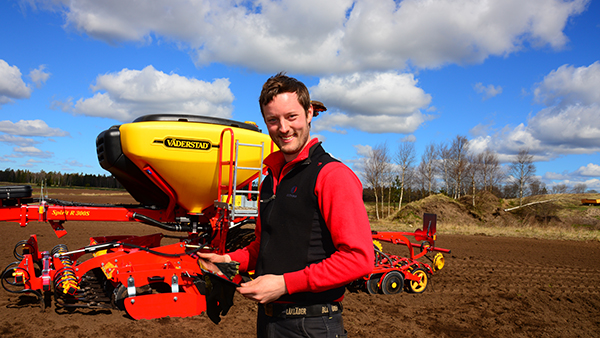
(293, 232)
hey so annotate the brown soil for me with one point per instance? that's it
(490, 287)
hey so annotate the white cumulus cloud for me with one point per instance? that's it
(39, 76)
(12, 85)
(572, 129)
(488, 91)
(568, 125)
(75, 163)
(30, 128)
(17, 140)
(32, 152)
(592, 170)
(569, 85)
(588, 175)
(362, 150)
(371, 102)
(327, 37)
(128, 94)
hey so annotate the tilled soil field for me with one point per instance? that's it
(490, 287)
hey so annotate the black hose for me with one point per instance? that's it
(4, 279)
(5, 271)
(19, 244)
(158, 253)
(165, 226)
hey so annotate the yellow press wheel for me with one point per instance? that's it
(418, 286)
(377, 245)
(438, 261)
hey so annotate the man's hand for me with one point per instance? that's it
(264, 289)
(208, 261)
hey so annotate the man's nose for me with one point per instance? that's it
(284, 126)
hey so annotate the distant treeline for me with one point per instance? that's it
(58, 179)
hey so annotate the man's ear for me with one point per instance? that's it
(309, 114)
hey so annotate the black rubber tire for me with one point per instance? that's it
(373, 284)
(392, 283)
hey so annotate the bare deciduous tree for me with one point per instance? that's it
(445, 158)
(537, 187)
(376, 167)
(390, 175)
(475, 162)
(405, 156)
(560, 189)
(491, 172)
(521, 171)
(419, 179)
(427, 168)
(458, 163)
(579, 188)
(484, 171)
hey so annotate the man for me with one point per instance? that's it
(312, 236)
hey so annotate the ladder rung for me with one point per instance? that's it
(251, 145)
(250, 168)
(246, 191)
(245, 212)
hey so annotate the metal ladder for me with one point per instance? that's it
(237, 201)
(248, 207)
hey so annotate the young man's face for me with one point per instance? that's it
(288, 124)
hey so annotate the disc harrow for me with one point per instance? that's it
(392, 273)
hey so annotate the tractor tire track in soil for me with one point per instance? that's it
(489, 287)
(493, 287)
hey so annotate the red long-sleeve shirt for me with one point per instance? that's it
(339, 194)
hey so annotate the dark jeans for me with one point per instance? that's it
(322, 326)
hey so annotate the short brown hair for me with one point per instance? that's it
(281, 83)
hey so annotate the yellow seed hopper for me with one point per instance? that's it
(184, 151)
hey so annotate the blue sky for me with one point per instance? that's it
(507, 74)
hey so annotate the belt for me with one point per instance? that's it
(282, 310)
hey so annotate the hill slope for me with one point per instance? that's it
(563, 211)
